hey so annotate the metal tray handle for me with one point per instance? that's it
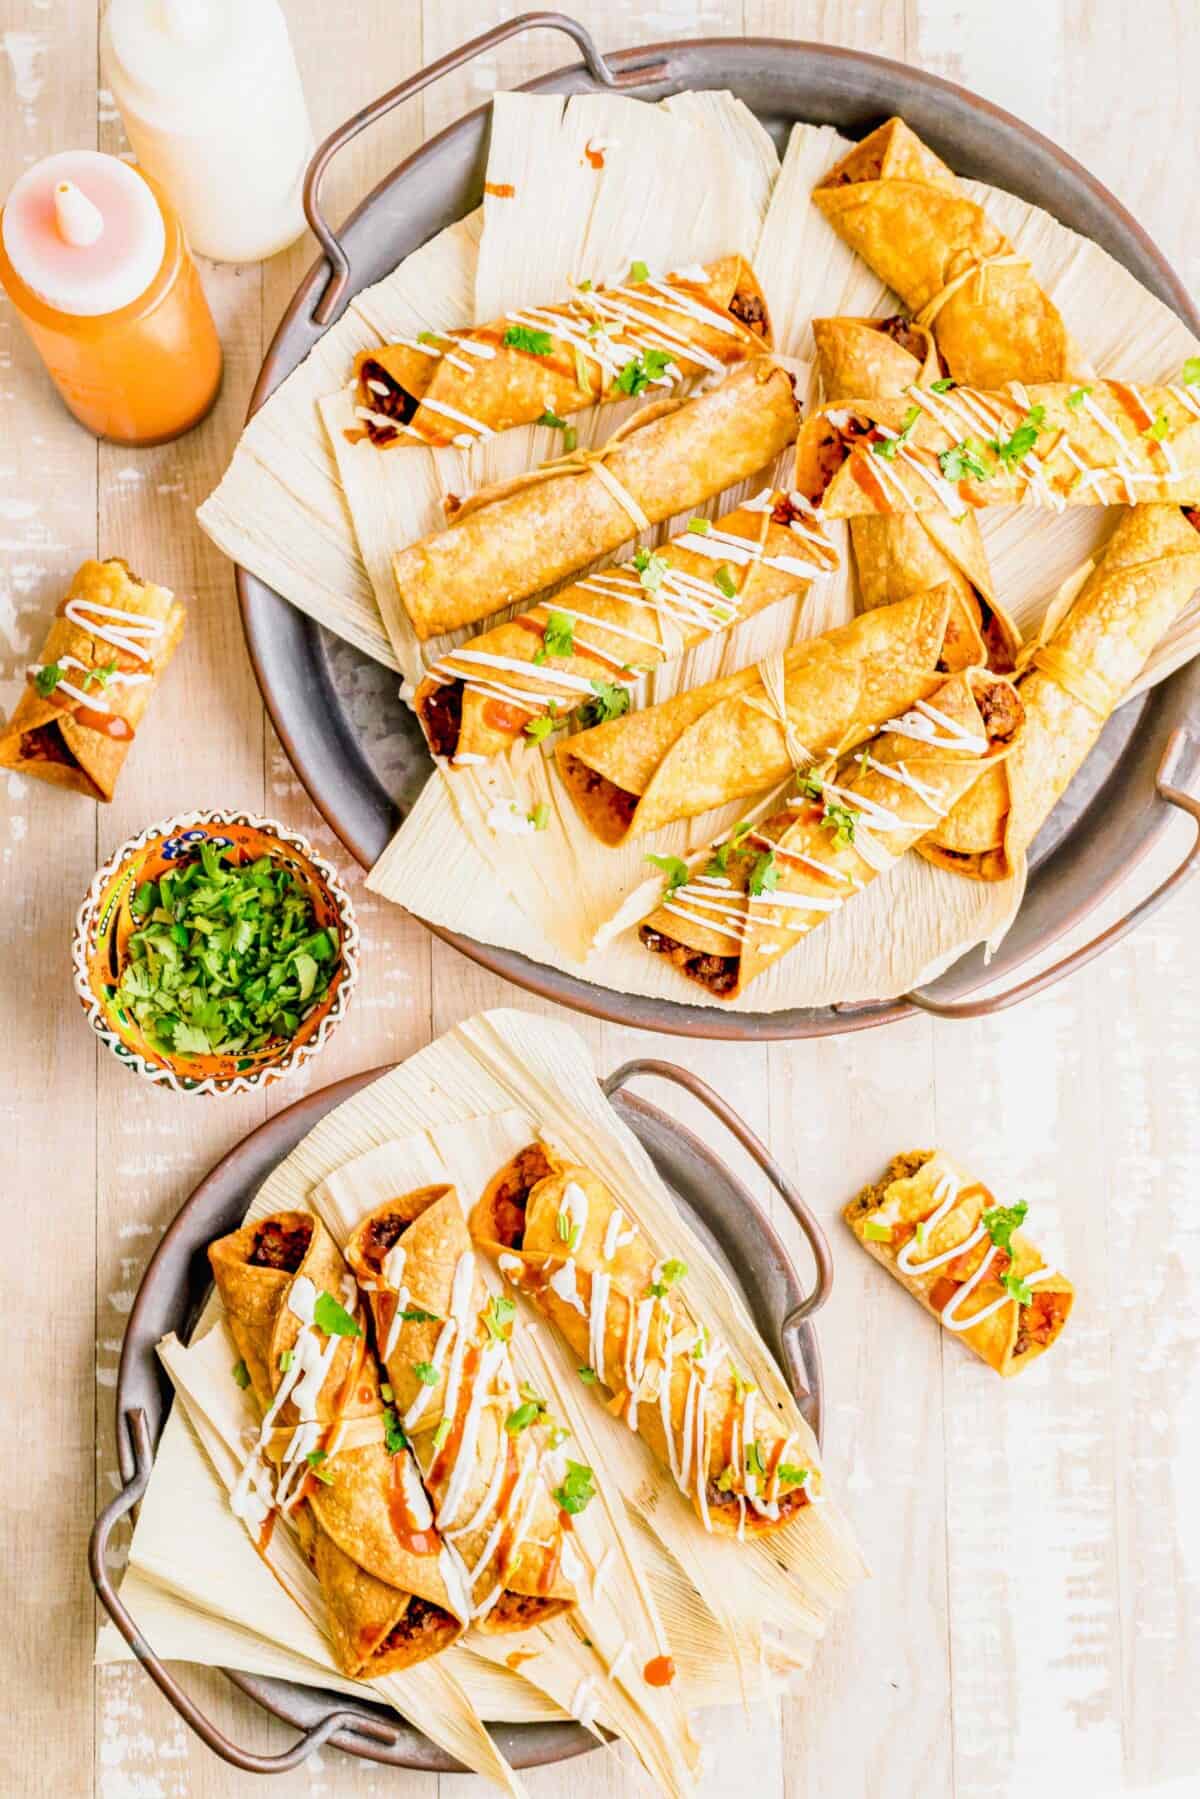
(331, 302)
(758, 1152)
(332, 1724)
(1180, 764)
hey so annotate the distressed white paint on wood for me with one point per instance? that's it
(1036, 1608)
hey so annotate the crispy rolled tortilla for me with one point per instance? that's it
(766, 887)
(1108, 443)
(1145, 576)
(77, 716)
(512, 540)
(727, 739)
(557, 1234)
(944, 1237)
(323, 1460)
(445, 1347)
(542, 362)
(902, 209)
(478, 700)
(909, 552)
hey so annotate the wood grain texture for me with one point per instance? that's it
(1035, 1613)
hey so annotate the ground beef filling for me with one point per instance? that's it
(280, 1246)
(751, 309)
(1000, 710)
(45, 743)
(999, 650)
(441, 716)
(510, 1196)
(517, 1611)
(718, 973)
(903, 332)
(397, 403)
(790, 1501)
(419, 1617)
(381, 1235)
(900, 1168)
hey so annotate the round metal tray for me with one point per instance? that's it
(318, 689)
(177, 1282)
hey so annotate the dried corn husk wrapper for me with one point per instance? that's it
(906, 553)
(1077, 673)
(911, 219)
(450, 388)
(944, 1237)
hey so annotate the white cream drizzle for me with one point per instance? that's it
(564, 1284)
(132, 634)
(96, 700)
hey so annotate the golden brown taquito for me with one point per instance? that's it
(445, 1346)
(544, 664)
(1106, 443)
(356, 1503)
(557, 1233)
(898, 205)
(727, 739)
(942, 1234)
(766, 888)
(106, 648)
(510, 541)
(909, 552)
(545, 362)
(1073, 682)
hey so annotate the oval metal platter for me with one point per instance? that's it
(318, 689)
(177, 1282)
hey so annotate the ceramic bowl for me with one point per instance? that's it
(105, 921)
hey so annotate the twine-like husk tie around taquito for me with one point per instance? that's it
(763, 889)
(445, 1348)
(1103, 443)
(479, 699)
(324, 1463)
(84, 698)
(513, 539)
(942, 1235)
(457, 387)
(730, 739)
(558, 1235)
(1074, 676)
(898, 205)
(906, 553)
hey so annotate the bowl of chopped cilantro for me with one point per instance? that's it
(215, 952)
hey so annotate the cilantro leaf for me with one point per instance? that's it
(1191, 371)
(558, 637)
(48, 678)
(537, 729)
(789, 1475)
(638, 272)
(99, 676)
(1022, 440)
(330, 1316)
(524, 1416)
(675, 869)
(724, 579)
(1001, 1221)
(417, 1315)
(1158, 430)
(641, 370)
(889, 447)
(394, 1439)
(426, 1373)
(588, 1376)
(314, 1458)
(611, 701)
(764, 876)
(651, 568)
(241, 1375)
(535, 343)
(498, 1316)
(841, 820)
(943, 386)
(965, 461)
(552, 419)
(1018, 1289)
(668, 1274)
(578, 1488)
(1078, 395)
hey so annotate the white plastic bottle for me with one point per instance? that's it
(211, 99)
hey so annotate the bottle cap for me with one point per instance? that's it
(84, 232)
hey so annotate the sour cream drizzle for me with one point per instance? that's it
(131, 632)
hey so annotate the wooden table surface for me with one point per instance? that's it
(1034, 1617)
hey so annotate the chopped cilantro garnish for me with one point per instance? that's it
(539, 728)
(557, 1437)
(428, 337)
(241, 1375)
(641, 370)
(536, 343)
(552, 419)
(99, 677)
(725, 1479)
(570, 439)
(558, 638)
(1018, 1289)
(754, 1461)
(227, 957)
(440, 1435)
(965, 461)
(418, 1315)
(48, 678)
(764, 876)
(426, 1373)
(1159, 429)
(675, 869)
(718, 862)
(588, 1376)
(1022, 440)
(943, 386)
(668, 1274)
(841, 820)
(701, 526)
(1191, 371)
(611, 701)
(789, 1475)
(1078, 395)
(739, 833)
(314, 1458)
(651, 567)
(1001, 1221)
(578, 1488)
(539, 818)
(498, 1316)
(394, 1439)
(889, 447)
(524, 1416)
(724, 579)
(638, 271)
(330, 1316)
(876, 1231)
(286, 1357)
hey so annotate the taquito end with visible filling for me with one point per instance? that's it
(728, 739)
(538, 364)
(1072, 682)
(331, 1459)
(964, 1257)
(76, 719)
(557, 1234)
(723, 921)
(478, 1441)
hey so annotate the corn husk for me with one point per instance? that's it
(739, 1619)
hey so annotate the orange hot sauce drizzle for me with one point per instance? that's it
(500, 190)
(870, 483)
(659, 1671)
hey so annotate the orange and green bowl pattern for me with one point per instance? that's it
(105, 922)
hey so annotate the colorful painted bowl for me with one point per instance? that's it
(105, 921)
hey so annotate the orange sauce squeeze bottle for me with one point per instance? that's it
(98, 270)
